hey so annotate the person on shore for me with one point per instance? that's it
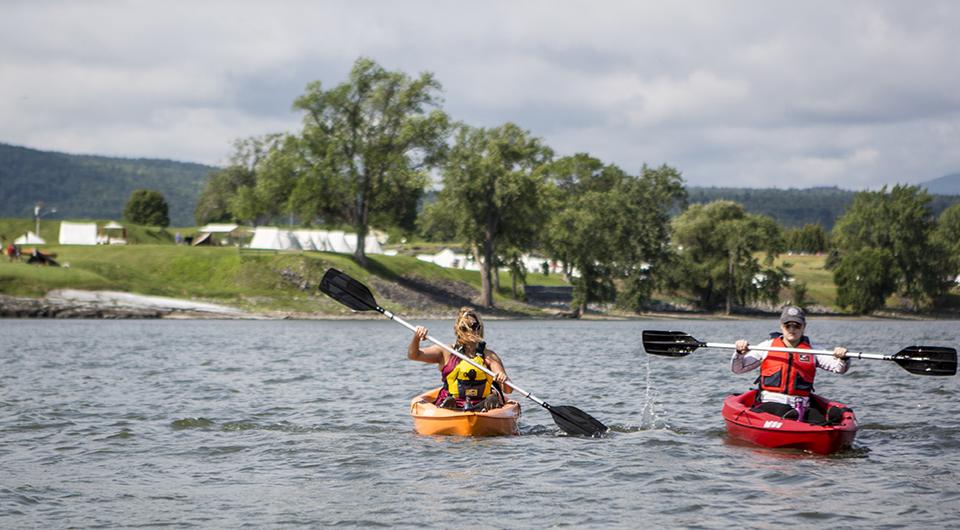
(464, 387)
(786, 379)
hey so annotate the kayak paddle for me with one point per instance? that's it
(920, 360)
(353, 294)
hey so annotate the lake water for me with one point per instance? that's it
(305, 423)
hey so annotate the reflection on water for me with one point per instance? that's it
(230, 423)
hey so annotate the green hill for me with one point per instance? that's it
(93, 187)
(256, 281)
(797, 207)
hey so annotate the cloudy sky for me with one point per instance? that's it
(734, 93)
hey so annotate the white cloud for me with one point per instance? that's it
(856, 94)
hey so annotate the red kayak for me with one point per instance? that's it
(768, 430)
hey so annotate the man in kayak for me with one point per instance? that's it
(786, 379)
(464, 387)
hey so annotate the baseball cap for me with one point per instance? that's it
(793, 314)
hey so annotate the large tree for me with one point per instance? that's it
(865, 278)
(492, 194)
(147, 207)
(365, 144)
(947, 234)
(717, 243)
(901, 223)
(609, 226)
(230, 193)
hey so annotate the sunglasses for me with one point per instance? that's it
(475, 326)
(792, 325)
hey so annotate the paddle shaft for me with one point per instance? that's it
(854, 355)
(484, 369)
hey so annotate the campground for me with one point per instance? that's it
(283, 284)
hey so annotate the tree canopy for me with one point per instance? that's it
(610, 227)
(901, 223)
(147, 207)
(492, 194)
(365, 147)
(716, 243)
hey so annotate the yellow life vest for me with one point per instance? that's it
(468, 384)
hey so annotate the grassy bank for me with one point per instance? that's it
(279, 281)
(257, 281)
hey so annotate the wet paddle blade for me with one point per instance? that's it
(349, 292)
(572, 420)
(669, 343)
(927, 360)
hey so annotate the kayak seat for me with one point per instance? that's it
(835, 414)
(777, 409)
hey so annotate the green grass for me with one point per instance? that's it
(810, 270)
(260, 281)
(11, 229)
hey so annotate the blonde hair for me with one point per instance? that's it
(468, 327)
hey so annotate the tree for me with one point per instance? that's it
(609, 226)
(899, 221)
(366, 143)
(716, 246)
(865, 278)
(811, 238)
(147, 207)
(643, 237)
(493, 193)
(230, 193)
(947, 235)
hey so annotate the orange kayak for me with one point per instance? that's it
(430, 419)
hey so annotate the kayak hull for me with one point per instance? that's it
(768, 430)
(429, 419)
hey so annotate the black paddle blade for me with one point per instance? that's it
(669, 343)
(928, 360)
(349, 292)
(572, 420)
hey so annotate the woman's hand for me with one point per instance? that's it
(840, 352)
(413, 351)
(500, 377)
(420, 333)
(742, 346)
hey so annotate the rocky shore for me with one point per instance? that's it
(71, 303)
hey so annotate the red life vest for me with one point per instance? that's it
(788, 373)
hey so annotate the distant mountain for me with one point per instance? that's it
(797, 207)
(93, 187)
(946, 185)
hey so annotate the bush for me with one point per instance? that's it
(147, 207)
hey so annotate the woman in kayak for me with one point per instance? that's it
(464, 387)
(786, 379)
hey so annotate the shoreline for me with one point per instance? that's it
(79, 304)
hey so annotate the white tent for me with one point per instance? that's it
(272, 238)
(339, 243)
(304, 239)
(78, 233)
(287, 240)
(371, 245)
(29, 239)
(264, 237)
(320, 239)
(216, 228)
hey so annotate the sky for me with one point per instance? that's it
(855, 94)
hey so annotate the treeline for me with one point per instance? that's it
(369, 146)
(798, 207)
(93, 187)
